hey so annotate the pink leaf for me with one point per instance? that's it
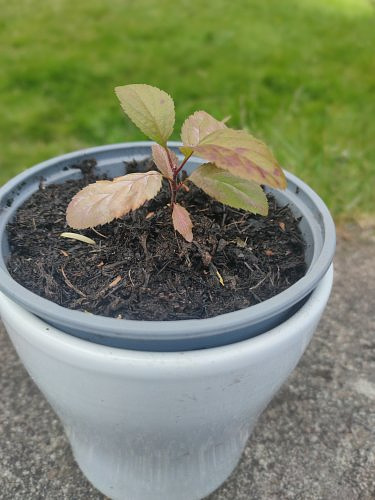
(160, 157)
(104, 201)
(243, 155)
(197, 126)
(182, 222)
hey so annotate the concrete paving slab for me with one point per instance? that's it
(316, 440)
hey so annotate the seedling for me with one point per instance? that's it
(238, 164)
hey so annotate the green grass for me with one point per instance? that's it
(299, 74)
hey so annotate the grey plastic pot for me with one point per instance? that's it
(316, 225)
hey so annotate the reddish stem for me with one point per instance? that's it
(183, 163)
(173, 168)
(173, 186)
(172, 182)
(173, 191)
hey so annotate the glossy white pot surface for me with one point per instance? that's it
(160, 426)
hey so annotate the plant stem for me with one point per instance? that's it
(173, 190)
(173, 168)
(183, 163)
(174, 186)
(179, 186)
(172, 182)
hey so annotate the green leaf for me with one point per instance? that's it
(197, 126)
(150, 108)
(242, 155)
(225, 187)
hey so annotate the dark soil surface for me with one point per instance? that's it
(141, 269)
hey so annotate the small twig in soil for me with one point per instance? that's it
(111, 266)
(78, 237)
(143, 242)
(259, 283)
(130, 277)
(223, 218)
(235, 223)
(162, 269)
(70, 284)
(147, 278)
(248, 266)
(215, 271)
(255, 296)
(115, 282)
(205, 256)
(220, 278)
(100, 234)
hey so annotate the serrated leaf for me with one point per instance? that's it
(150, 108)
(197, 126)
(242, 155)
(161, 160)
(225, 187)
(104, 201)
(182, 222)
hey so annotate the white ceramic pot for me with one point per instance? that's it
(153, 425)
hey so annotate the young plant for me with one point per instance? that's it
(237, 165)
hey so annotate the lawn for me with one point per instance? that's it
(299, 74)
